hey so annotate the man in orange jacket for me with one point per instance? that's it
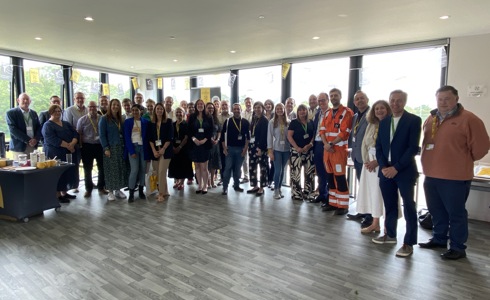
(335, 131)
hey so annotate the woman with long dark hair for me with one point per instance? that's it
(257, 150)
(215, 157)
(111, 139)
(160, 137)
(200, 132)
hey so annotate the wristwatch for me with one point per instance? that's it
(331, 144)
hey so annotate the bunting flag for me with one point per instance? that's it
(58, 77)
(285, 70)
(34, 75)
(159, 83)
(149, 84)
(105, 89)
(75, 76)
(206, 94)
(6, 72)
(136, 85)
(187, 83)
(231, 79)
(95, 87)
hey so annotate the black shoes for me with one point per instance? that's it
(341, 211)
(453, 254)
(328, 207)
(355, 217)
(366, 222)
(198, 191)
(316, 200)
(131, 196)
(225, 192)
(238, 189)
(253, 191)
(141, 194)
(431, 245)
(62, 199)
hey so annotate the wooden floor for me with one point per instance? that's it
(217, 247)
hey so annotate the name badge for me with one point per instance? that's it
(353, 139)
(136, 129)
(336, 125)
(158, 143)
(178, 141)
(201, 130)
(252, 140)
(240, 137)
(282, 142)
(96, 137)
(306, 136)
(322, 128)
(429, 147)
(29, 128)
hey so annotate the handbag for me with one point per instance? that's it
(425, 219)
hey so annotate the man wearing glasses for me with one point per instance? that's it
(91, 149)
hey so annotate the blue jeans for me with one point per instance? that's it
(446, 201)
(389, 190)
(233, 162)
(138, 167)
(320, 171)
(280, 161)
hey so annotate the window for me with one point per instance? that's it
(42, 80)
(178, 88)
(119, 86)
(315, 77)
(5, 90)
(216, 80)
(260, 84)
(417, 72)
(88, 83)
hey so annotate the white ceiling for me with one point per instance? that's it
(134, 36)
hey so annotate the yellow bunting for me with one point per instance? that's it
(105, 89)
(75, 76)
(187, 84)
(34, 75)
(136, 85)
(159, 83)
(285, 70)
(206, 95)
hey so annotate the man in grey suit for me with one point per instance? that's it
(359, 125)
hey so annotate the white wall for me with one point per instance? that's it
(469, 64)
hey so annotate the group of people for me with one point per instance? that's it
(128, 139)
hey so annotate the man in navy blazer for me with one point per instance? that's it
(318, 150)
(396, 147)
(24, 127)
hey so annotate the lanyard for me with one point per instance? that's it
(158, 130)
(118, 125)
(200, 122)
(393, 128)
(305, 127)
(254, 125)
(177, 127)
(357, 125)
(376, 129)
(435, 123)
(93, 125)
(239, 128)
(281, 126)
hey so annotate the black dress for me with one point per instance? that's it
(200, 130)
(181, 165)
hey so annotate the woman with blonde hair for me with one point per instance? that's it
(278, 146)
(369, 199)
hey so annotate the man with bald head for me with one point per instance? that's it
(168, 103)
(24, 127)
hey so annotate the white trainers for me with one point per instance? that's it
(111, 197)
(120, 194)
(277, 195)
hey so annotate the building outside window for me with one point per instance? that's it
(260, 84)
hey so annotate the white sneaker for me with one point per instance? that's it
(120, 194)
(277, 195)
(111, 197)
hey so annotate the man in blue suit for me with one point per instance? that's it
(396, 147)
(24, 127)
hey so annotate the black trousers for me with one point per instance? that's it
(89, 153)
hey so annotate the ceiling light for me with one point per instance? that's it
(38, 38)
(342, 16)
(444, 17)
(89, 19)
(175, 60)
(316, 37)
(261, 17)
(232, 51)
(132, 67)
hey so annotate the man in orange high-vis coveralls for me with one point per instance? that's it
(336, 127)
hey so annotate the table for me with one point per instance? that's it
(29, 193)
